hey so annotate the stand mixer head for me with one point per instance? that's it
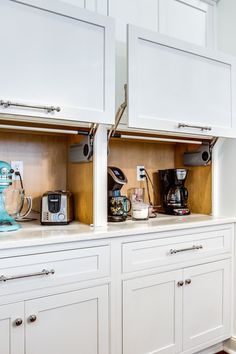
(7, 223)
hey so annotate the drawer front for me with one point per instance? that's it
(147, 254)
(25, 273)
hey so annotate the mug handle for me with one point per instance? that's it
(130, 205)
(29, 208)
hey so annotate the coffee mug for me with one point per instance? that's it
(15, 201)
(119, 206)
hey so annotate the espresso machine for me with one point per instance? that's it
(118, 205)
(174, 195)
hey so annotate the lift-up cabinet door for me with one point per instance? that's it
(179, 87)
(57, 62)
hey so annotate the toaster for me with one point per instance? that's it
(56, 208)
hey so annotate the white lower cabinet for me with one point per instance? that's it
(73, 322)
(189, 306)
(206, 303)
(152, 314)
(140, 294)
(12, 329)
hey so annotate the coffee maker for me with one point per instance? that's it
(118, 205)
(174, 196)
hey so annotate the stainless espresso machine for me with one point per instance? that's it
(174, 195)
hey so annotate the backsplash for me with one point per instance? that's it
(44, 158)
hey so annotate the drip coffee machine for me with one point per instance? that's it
(7, 223)
(174, 196)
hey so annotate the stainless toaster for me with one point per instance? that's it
(56, 208)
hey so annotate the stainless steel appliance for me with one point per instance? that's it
(56, 208)
(174, 196)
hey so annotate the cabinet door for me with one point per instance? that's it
(152, 314)
(75, 322)
(100, 6)
(12, 329)
(206, 303)
(189, 20)
(179, 87)
(58, 62)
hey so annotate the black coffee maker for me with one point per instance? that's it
(174, 196)
(118, 205)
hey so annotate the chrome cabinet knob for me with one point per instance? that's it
(188, 281)
(180, 283)
(18, 322)
(32, 318)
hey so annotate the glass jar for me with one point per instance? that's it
(140, 211)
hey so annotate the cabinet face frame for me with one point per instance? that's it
(69, 111)
(153, 40)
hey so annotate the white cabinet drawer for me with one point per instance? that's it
(147, 254)
(25, 273)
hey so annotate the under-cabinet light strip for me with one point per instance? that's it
(167, 140)
(37, 129)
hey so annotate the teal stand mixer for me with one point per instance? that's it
(7, 223)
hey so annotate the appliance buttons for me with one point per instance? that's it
(61, 217)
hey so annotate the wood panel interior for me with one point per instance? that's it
(44, 158)
(46, 167)
(127, 154)
(80, 183)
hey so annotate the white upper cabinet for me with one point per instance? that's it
(178, 87)
(188, 20)
(58, 62)
(99, 6)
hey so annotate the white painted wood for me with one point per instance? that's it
(172, 82)
(69, 266)
(188, 20)
(71, 67)
(76, 322)
(143, 13)
(148, 254)
(100, 178)
(102, 7)
(11, 336)
(152, 314)
(206, 303)
(80, 3)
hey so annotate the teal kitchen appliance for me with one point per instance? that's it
(7, 223)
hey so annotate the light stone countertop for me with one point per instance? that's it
(34, 234)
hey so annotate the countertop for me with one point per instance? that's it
(33, 234)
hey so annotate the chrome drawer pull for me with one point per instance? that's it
(183, 125)
(44, 272)
(49, 109)
(174, 251)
